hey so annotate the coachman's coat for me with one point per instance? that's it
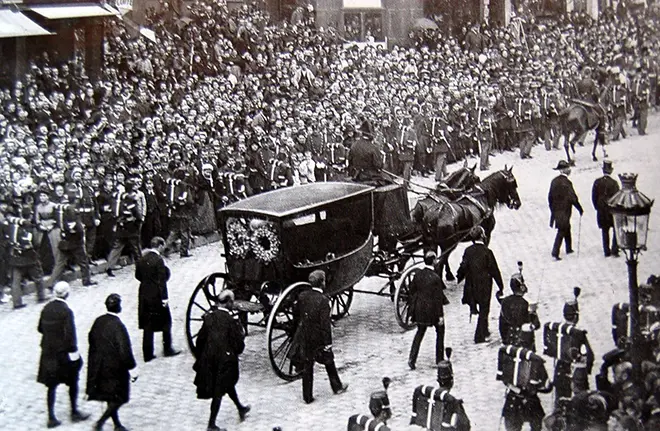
(109, 361)
(153, 275)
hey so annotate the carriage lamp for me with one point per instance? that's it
(631, 210)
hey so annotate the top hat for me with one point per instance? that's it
(607, 166)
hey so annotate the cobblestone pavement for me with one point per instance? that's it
(368, 343)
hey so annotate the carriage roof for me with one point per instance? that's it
(294, 200)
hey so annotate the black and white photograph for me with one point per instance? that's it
(311, 215)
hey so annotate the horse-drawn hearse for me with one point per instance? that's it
(273, 241)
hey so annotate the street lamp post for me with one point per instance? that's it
(631, 210)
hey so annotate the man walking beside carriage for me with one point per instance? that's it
(312, 341)
(561, 199)
(479, 269)
(427, 302)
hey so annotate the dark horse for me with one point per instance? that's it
(577, 120)
(446, 224)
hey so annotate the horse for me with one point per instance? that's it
(447, 224)
(577, 120)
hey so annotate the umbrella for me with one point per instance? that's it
(425, 24)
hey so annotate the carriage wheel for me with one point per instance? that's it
(280, 329)
(201, 301)
(401, 300)
(341, 303)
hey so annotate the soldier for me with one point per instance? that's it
(581, 356)
(106, 204)
(23, 259)
(506, 121)
(603, 189)
(72, 244)
(517, 315)
(181, 203)
(281, 173)
(640, 93)
(407, 143)
(423, 147)
(127, 228)
(379, 405)
(441, 146)
(587, 88)
(483, 119)
(619, 107)
(526, 109)
(87, 208)
(364, 159)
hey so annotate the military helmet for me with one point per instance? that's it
(517, 283)
(446, 371)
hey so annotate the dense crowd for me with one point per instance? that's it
(232, 104)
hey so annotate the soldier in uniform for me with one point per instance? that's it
(603, 189)
(640, 94)
(617, 99)
(106, 204)
(87, 208)
(72, 245)
(23, 259)
(379, 405)
(407, 143)
(587, 88)
(441, 146)
(526, 109)
(281, 173)
(127, 228)
(517, 315)
(583, 357)
(424, 146)
(506, 121)
(181, 204)
(483, 120)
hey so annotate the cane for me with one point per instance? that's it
(579, 232)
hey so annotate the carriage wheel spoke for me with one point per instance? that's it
(200, 307)
(197, 319)
(285, 357)
(195, 336)
(279, 336)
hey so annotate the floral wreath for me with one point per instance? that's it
(265, 243)
(238, 239)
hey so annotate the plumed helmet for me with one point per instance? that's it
(366, 128)
(379, 402)
(571, 309)
(517, 283)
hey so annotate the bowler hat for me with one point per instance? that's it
(563, 164)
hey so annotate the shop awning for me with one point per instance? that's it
(74, 11)
(362, 4)
(15, 24)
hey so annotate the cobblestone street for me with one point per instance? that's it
(368, 342)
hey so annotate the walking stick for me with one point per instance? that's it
(579, 232)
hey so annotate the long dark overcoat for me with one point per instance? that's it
(427, 297)
(109, 361)
(603, 189)
(153, 275)
(479, 269)
(58, 329)
(314, 330)
(561, 200)
(219, 343)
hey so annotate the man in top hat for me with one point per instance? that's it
(312, 341)
(426, 308)
(365, 160)
(60, 361)
(561, 199)
(110, 364)
(479, 269)
(603, 189)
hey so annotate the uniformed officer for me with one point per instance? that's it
(517, 317)
(72, 245)
(88, 209)
(127, 228)
(526, 109)
(441, 146)
(365, 160)
(587, 88)
(180, 204)
(407, 142)
(640, 93)
(483, 119)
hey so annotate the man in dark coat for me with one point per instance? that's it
(479, 269)
(219, 343)
(603, 189)
(153, 301)
(312, 341)
(110, 363)
(427, 301)
(517, 318)
(60, 361)
(561, 199)
(365, 160)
